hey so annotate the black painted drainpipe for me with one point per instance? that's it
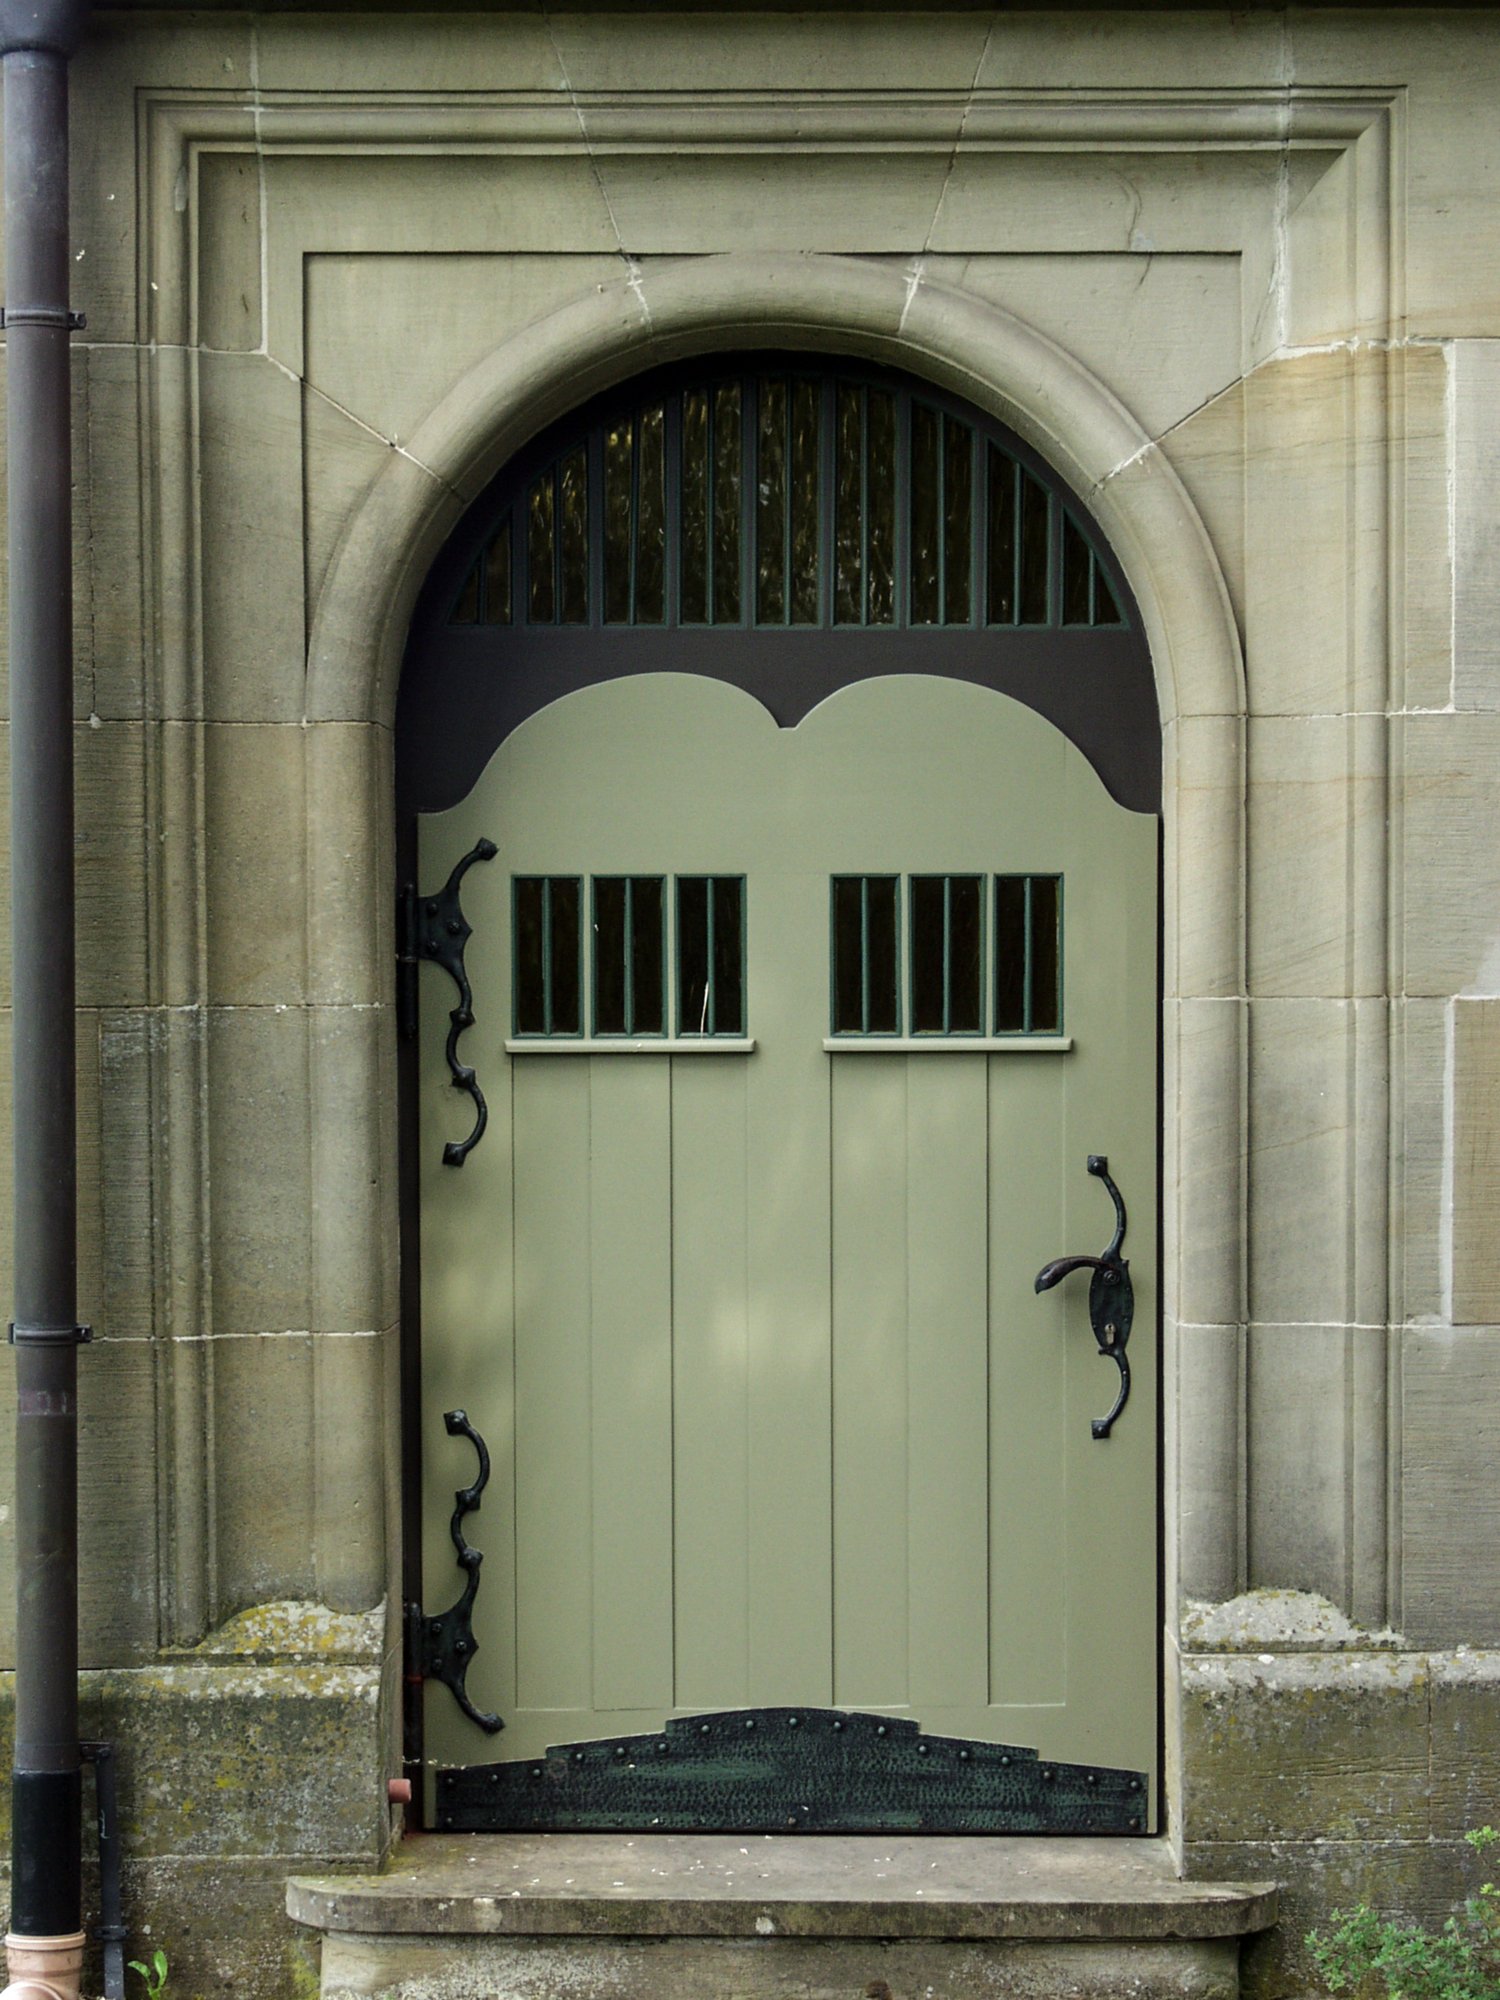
(36, 39)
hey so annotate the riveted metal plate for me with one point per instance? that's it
(778, 1770)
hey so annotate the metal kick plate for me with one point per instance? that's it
(779, 1770)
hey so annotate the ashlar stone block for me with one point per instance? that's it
(1450, 1509)
(1449, 771)
(1304, 1746)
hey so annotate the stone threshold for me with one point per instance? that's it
(652, 1885)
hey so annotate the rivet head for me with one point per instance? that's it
(882, 1729)
(1048, 1774)
(703, 1729)
(838, 1726)
(1135, 1784)
(664, 1746)
(964, 1756)
(749, 1722)
(922, 1749)
(1090, 1778)
(791, 1819)
(792, 1721)
(432, 909)
(536, 1770)
(1135, 1823)
(577, 1756)
(1005, 1760)
(619, 1749)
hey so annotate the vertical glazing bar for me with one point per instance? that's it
(546, 954)
(864, 506)
(1015, 554)
(787, 521)
(979, 500)
(710, 498)
(940, 432)
(1054, 560)
(901, 526)
(671, 555)
(749, 495)
(827, 463)
(554, 480)
(710, 997)
(597, 526)
(629, 948)
(1027, 1012)
(947, 954)
(634, 534)
(979, 572)
(864, 955)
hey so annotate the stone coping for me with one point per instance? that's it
(771, 1885)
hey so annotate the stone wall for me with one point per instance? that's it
(1241, 291)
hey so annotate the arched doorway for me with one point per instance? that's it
(814, 968)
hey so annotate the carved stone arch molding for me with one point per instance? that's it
(887, 312)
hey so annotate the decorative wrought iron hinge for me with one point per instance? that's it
(443, 1648)
(435, 929)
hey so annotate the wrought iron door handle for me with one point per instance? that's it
(1111, 1295)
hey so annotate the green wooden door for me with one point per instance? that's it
(748, 1319)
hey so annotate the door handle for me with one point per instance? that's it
(1111, 1295)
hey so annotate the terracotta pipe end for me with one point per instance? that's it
(44, 1968)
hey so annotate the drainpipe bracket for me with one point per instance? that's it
(57, 316)
(49, 1336)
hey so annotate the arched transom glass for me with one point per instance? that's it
(774, 497)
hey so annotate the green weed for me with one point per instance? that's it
(1371, 1957)
(153, 1975)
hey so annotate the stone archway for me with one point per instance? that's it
(888, 313)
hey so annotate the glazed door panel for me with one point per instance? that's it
(776, 1415)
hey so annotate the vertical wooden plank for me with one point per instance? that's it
(710, 1436)
(554, 1524)
(870, 1457)
(948, 1363)
(790, 1487)
(1027, 1402)
(1108, 1107)
(630, 1265)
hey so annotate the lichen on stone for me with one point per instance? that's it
(296, 1628)
(1279, 1621)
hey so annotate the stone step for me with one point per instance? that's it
(767, 1917)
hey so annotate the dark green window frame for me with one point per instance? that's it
(644, 908)
(1028, 954)
(857, 977)
(716, 1014)
(949, 978)
(535, 996)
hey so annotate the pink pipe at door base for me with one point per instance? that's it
(43, 1968)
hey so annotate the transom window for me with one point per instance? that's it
(787, 499)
